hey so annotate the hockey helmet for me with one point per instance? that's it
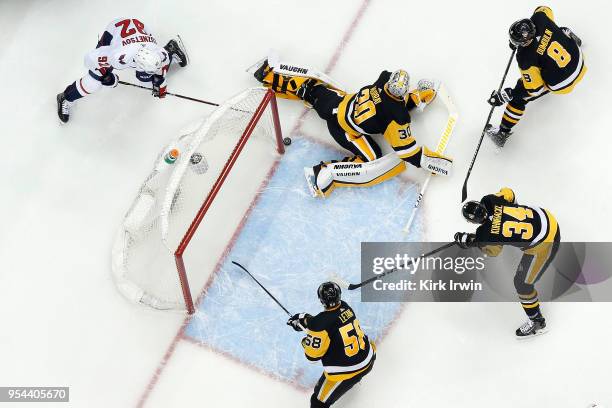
(475, 212)
(522, 32)
(329, 294)
(147, 60)
(398, 84)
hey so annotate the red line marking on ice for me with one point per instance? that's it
(180, 335)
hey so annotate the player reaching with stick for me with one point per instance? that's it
(125, 43)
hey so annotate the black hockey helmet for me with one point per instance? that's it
(474, 211)
(521, 32)
(329, 294)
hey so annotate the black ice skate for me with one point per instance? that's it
(499, 135)
(63, 108)
(177, 51)
(262, 71)
(531, 328)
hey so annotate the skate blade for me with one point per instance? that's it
(539, 333)
(181, 44)
(310, 181)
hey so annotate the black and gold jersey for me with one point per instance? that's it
(336, 339)
(509, 223)
(373, 110)
(553, 61)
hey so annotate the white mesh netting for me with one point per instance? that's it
(143, 262)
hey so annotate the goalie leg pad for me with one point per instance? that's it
(352, 172)
(436, 162)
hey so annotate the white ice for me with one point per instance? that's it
(67, 188)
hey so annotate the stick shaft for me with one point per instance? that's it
(464, 189)
(354, 286)
(262, 286)
(189, 98)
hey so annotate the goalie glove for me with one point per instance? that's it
(465, 240)
(298, 321)
(426, 92)
(501, 97)
(435, 162)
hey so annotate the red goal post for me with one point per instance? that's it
(176, 197)
(268, 99)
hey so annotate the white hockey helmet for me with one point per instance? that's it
(147, 60)
(398, 84)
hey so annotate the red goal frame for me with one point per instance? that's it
(268, 99)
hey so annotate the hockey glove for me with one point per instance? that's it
(110, 79)
(465, 240)
(501, 97)
(298, 321)
(159, 86)
(512, 46)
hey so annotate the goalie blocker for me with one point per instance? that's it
(352, 119)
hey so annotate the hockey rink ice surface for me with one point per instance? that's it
(267, 247)
(65, 190)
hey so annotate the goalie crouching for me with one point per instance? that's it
(381, 108)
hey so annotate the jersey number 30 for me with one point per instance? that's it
(352, 342)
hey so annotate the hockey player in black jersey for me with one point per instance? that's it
(532, 229)
(335, 338)
(382, 108)
(550, 60)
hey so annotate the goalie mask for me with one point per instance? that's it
(398, 85)
(147, 61)
(329, 294)
(475, 212)
(522, 32)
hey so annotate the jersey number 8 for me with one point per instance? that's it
(559, 54)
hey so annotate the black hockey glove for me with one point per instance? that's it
(501, 97)
(512, 46)
(465, 240)
(110, 79)
(298, 321)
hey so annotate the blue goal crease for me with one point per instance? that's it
(291, 243)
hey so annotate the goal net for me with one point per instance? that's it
(163, 249)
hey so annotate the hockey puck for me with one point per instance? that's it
(287, 141)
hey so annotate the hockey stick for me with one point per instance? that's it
(442, 143)
(189, 98)
(464, 190)
(354, 286)
(262, 286)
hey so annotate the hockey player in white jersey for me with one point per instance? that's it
(125, 43)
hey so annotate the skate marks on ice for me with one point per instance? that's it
(291, 243)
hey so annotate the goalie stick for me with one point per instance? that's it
(262, 286)
(442, 143)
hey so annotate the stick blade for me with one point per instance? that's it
(464, 191)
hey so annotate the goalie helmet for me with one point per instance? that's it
(522, 32)
(329, 294)
(398, 84)
(475, 212)
(147, 61)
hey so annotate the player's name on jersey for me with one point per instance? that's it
(139, 39)
(428, 285)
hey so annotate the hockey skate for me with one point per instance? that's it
(262, 71)
(177, 51)
(63, 108)
(532, 328)
(311, 182)
(498, 135)
(304, 92)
